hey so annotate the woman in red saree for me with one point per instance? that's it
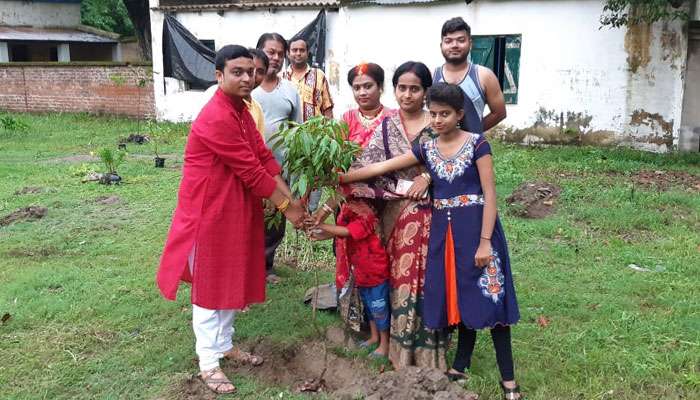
(366, 81)
(405, 219)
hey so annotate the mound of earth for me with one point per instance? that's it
(407, 383)
(30, 213)
(303, 367)
(533, 199)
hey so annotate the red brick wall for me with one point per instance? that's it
(97, 88)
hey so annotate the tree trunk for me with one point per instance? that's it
(141, 18)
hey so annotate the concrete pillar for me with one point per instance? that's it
(4, 52)
(63, 52)
(689, 138)
(117, 52)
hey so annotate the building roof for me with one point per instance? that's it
(77, 34)
(215, 5)
(394, 2)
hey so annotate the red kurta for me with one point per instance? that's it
(226, 173)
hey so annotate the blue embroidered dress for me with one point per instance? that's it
(485, 297)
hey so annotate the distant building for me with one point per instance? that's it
(50, 30)
(565, 79)
(49, 62)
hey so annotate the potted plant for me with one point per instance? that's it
(111, 160)
(158, 135)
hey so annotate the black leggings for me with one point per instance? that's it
(501, 342)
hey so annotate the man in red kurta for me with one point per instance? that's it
(216, 239)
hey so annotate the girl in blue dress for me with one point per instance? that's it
(468, 282)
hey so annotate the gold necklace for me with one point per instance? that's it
(367, 121)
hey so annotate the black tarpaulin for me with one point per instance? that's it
(315, 36)
(186, 58)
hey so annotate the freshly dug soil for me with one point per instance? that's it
(408, 383)
(665, 180)
(533, 199)
(296, 366)
(30, 213)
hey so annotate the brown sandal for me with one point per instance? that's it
(243, 357)
(215, 384)
(511, 394)
(455, 376)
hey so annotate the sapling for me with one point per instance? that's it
(316, 152)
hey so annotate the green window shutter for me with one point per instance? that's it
(512, 69)
(483, 50)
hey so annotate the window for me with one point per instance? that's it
(500, 53)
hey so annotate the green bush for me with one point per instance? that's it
(13, 124)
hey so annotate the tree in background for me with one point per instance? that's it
(125, 17)
(141, 19)
(617, 13)
(108, 15)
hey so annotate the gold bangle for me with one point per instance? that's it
(326, 207)
(282, 207)
(426, 176)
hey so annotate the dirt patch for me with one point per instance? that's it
(30, 213)
(291, 366)
(108, 200)
(33, 252)
(408, 383)
(30, 190)
(664, 180)
(533, 199)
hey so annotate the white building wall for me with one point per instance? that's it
(567, 64)
(233, 27)
(568, 67)
(39, 14)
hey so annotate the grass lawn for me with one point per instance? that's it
(86, 320)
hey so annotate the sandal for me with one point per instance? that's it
(455, 376)
(365, 344)
(215, 384)
(511, 394)
(243, 357)
(376, 356)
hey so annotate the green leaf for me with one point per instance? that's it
(302, 185)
